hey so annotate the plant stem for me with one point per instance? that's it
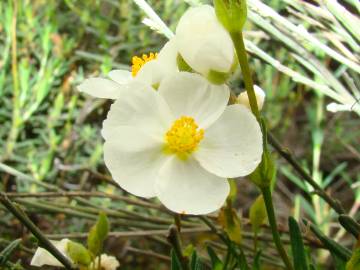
(43, 241)
(174, 240)
(238, 40)
(266, 192)
(239, 45)
(335, 204)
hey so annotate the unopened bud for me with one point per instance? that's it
(231, 14)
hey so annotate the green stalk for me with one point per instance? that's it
(266, 192)
(238, 40)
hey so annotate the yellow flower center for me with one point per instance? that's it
(184, 136)
(138, 62)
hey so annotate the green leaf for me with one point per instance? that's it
(98, 234)
(195, 263)
(350, 225)
(216, 263)
(78, 253)
(93, 241)
(8, 250)
(257, 214)
(354, 262)
(335, 249)
(241, 261)
(102, 226)
(175, 262)
(257, 261)
(297, 246)
(230, 222)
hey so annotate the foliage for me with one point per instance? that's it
(304, 55)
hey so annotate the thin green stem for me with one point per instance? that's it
(43, 241)
(266, 192)
(239, 45)
(238, 40)
(175, 241)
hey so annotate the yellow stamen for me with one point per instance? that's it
(184, 136)
(138, 62)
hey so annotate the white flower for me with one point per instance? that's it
(148, 69)
(260, 97)
(180, 143)
(203, 42)
(106, 263)
(44, 257)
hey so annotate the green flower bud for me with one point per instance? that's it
(231, 14)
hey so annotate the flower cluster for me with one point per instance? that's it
(170, 132)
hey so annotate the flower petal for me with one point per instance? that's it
(184, 186)
(120, 76)
(189, 94)
(154, 71)
(134, 159)
(44, 257)
(141, 107)
(101, 88)
(232, 146)
(203, 42)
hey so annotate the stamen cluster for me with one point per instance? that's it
(184, 135)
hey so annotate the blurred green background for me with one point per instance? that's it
(50, 132)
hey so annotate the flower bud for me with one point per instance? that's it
(204, 44)
(231, 13)
(260, 98)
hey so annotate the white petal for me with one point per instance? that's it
(141, 107)
(203, 42)
(101, 88)
(189, 94)
(232, 146)
(154, 71)
(185, 187)
(120, 76)
(43, 257)
(167, 55)
(243, 98)
(134, 160)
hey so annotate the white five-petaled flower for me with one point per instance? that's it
(106, 263)
(148, 69)
(203, 42)
(44, 257)
(180, 143)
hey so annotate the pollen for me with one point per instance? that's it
(138, 62)
(184, 136)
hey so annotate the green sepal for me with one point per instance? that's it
(232, 14)
(217, 77)
(78, 253)
(230, 222)
(264, 174)
(257, 214)
(182, 65)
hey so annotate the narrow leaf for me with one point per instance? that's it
(297, 245)
(216, 263)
